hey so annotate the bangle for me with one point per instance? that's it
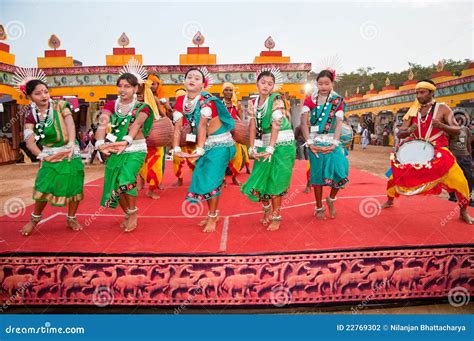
(70, 144)
(336, 142)
(41, 156)
(199, 151)
(128, 138)
(309, 142)
(251, 150)
(177, 149)
(98, 143)
(270, 150)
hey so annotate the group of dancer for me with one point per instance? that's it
(125, 123)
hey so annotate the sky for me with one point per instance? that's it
(347, 35)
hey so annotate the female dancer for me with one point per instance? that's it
(273, 148)
(60, 179)
(130, 122)
(321, 120)
(210, 124)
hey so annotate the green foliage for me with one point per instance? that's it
(363, 76)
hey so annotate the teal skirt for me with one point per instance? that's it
(208, 176)
(60, 183)
(329, 169)
(271, 178)
(121, 177)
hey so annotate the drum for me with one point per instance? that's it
(241, 132)
(161, 133)
(415, 152)
(346, 135)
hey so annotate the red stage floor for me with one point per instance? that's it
(418, 249)
(169, 225)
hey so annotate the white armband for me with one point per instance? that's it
(27, 133)
(340, 114)
(309, 142)
(199, 151)
(98, 143)
(206, 112)
(251, 150)
(128, 138)
(305, 109)
(336, 142)
(270, 150)
(41, 156)
(277, 115)
(176, 116)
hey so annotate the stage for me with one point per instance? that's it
(419, 249)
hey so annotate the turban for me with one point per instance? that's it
(415, 107)
(234, 96)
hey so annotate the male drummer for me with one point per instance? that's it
(429, 121)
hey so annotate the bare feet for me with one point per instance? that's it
(212, 220)
(320, 213)
(29, 227)
(235, 181)
(465, 216)
(178, 183)
(332, 209)
(130, 224)
(387, 204)
(153, 195)
(124, 222)
(275, 225)
(267, 210)
(307, 190)
(205, 220)
(73, 224)
(161, 187)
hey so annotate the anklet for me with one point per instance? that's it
(210, 215)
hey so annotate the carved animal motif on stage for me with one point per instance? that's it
(309, 278)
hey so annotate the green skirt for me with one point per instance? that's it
(329, 169)
(60, 183)
(270, 179)
(209, 173)
(121, 177)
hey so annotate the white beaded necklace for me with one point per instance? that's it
(261, 109)
(124, 110)
(190, 105)
(47, 118)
